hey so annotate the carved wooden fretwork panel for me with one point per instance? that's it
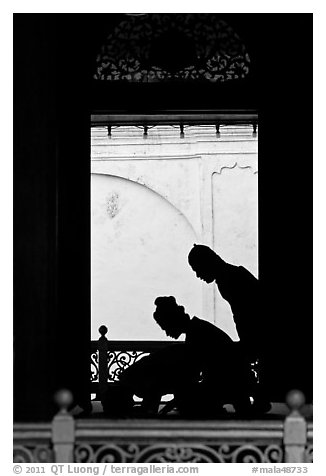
(165, 47)
(117, 362)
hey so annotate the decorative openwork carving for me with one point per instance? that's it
(94, 367)
(178, 453)
(165, 47)
(117, 362)
(120, 360)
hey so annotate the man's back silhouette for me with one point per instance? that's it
(241, 290)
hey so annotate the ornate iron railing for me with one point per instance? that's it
(165, 441)
(180, 442)
(33, 443)
(109, 358)
(162, 440)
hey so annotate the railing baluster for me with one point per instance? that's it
(103, 347)
(63, 429)
(65, 433)
(295, 429)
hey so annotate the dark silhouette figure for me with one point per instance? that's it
(203, 373)
(225, 375)
(166, 371)
(241, 290)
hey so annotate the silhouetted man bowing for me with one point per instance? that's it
(225, 374)
(241, 290)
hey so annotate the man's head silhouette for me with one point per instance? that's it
(204, 262)
(171, 317)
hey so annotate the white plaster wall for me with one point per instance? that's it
(175, 179)
(178, 191)
(235, 216)
(235, 228)
(140, 244)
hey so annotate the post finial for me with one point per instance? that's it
(103, 330)
(295, 399)
(295, 429)
(63, 398)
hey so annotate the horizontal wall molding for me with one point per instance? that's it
(175, 117)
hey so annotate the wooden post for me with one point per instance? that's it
(295, 429)
(63, 429)
(103, 347)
